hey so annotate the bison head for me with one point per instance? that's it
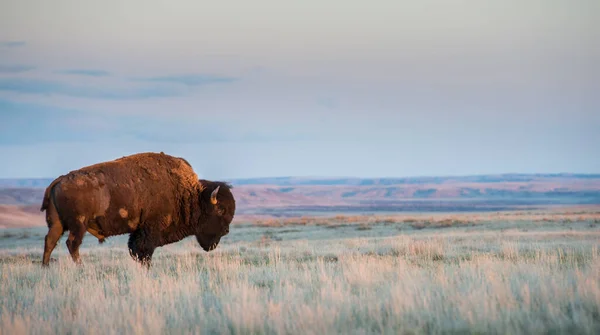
(218, 207)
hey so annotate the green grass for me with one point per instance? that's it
(493, 278)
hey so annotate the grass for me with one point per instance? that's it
(502, 277)
(439, 220)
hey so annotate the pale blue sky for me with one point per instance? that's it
(305, 88)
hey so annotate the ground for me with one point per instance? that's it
(516, 273)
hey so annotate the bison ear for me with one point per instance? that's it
(213, 195)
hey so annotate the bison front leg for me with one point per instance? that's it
(143, 256)
(141, 248)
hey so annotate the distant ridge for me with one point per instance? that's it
(289, 196)
(357, 181)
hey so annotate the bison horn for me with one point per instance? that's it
(213, 195)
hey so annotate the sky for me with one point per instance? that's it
(306, 88)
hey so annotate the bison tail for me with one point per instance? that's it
(46, 200)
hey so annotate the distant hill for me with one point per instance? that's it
(500, 178)
(278, 196)
(315, 181)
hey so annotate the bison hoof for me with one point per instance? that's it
(101, 240)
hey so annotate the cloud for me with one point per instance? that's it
(36, 86)
(327, 102)
(191, 79)
(32, 123)
(28, 123)
(12, 44)
(200, 129)
(16, 68)
(86, 72)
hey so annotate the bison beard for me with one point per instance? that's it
(156, 198)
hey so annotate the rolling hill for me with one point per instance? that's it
(293, 196)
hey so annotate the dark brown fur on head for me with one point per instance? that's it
(216, 216)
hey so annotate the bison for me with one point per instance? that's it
(156, 198)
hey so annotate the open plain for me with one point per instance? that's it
(510, 273)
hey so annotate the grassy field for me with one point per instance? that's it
(511, 274)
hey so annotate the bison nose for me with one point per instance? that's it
(226, 231)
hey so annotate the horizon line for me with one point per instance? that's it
(324, 177)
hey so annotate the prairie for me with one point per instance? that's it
(495, 273)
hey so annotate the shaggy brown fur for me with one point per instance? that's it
(156, 198)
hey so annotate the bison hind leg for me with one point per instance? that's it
(55, 231)
(76, 237)
(73, 243)
(54, 234)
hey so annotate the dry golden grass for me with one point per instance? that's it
(442, 220)
(433, 281)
